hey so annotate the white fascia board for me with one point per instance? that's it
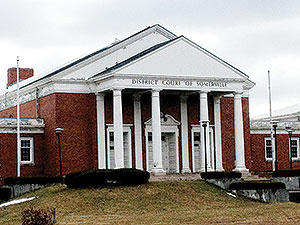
(182, 83)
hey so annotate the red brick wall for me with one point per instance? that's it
(76, 113)
(8, 153)
(228, 140)
(258, 152)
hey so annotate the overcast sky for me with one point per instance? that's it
(253, 35)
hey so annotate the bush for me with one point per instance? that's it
(37, 217)
(110, 177)
(5, 193)
(220, 175)
(286, 173)
(256, 185)
(32, 180)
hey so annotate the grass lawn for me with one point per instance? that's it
(171, 202)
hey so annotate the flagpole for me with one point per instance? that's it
(18, 122)
(271, 120)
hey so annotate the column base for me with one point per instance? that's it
(158, 172)
(240, 169)
(220, 169)
(209, 169)
(186, 170)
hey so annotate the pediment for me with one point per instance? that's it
(165, 120)
(181, 57)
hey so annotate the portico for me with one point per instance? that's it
(162, 130)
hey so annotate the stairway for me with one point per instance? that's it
(247, 176)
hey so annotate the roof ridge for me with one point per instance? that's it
(136, 56)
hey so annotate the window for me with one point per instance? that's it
(295, 148)
(268, 148)
(26, 150)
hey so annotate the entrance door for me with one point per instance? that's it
(168, 151)
(196, 152)
(165, 151)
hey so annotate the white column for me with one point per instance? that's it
(118, 128)
(184, 135)
(156, 133)
(101, 131)
(204, 117)
(218, 133)
(138, 131)
(239, 133)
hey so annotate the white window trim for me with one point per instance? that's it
(31, 151)
(265, 143)
(126, 129)
(295, 158)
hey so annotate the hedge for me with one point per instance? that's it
(286, 173)
(256, 185)
(220, 175)
(5, 193)
(106, 177)
(32, 180)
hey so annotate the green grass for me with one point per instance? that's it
(176, 202)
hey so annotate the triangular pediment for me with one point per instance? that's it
(165, 120)
(181, 57)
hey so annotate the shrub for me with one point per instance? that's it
(256, 185)
(220, 175)
(109, 177)
(37, 217)
(5, 193)
(32, 180)
(286, 173)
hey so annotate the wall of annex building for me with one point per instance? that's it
(258, 152)
(8, 156)
(76, 114)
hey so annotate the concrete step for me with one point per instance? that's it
(168, 177)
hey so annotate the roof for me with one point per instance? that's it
(96, 53)
(135, 57)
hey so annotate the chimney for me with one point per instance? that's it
(12, 75)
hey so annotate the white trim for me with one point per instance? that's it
(168, 126)
(138, 132)
(31, 141)
(184, 135)
(265, 145)
(126, 129)
(101, 131)
(268, 132)
(298, 156)
(195, 128)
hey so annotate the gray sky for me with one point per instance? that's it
(254, 35)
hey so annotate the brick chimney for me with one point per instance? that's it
(12, 75)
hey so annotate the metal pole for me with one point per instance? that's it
(272, 132)
(276, 157)
(290, 139)
(18, 123)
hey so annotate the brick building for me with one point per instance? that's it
(153, 101)
(287, 151)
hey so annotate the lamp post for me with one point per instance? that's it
(290, 132)
(275, 125)
(204, 125)
(58, 133)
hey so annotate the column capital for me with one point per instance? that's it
(204, 91)
(183, 98)
(100, 96)
(237, 93)
(137, 96)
